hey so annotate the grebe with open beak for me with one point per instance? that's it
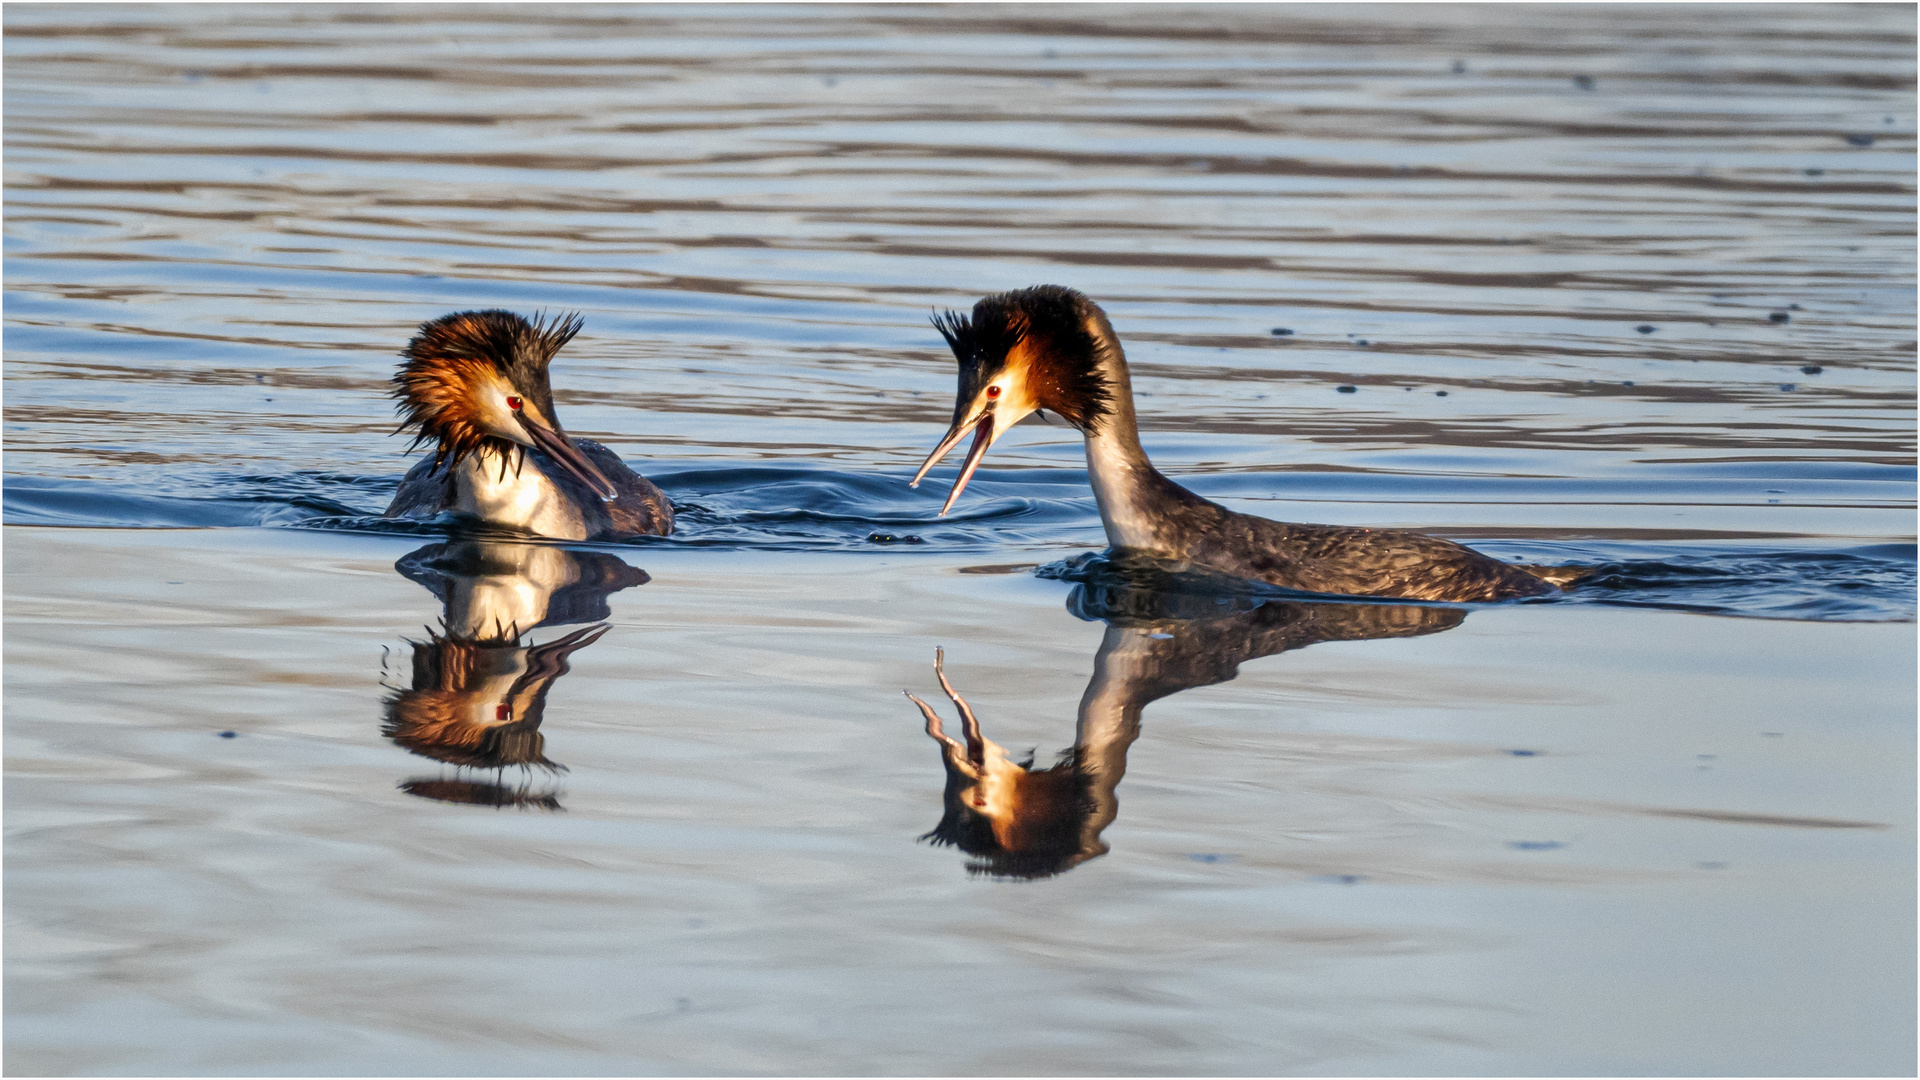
(1050, 347)
(475, 384)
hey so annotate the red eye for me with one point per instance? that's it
(993, 391)
(503, 710)
(513, 403)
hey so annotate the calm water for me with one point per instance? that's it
(1625, 286)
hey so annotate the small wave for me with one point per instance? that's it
(78, 504)
(1870, 583)
(760, 507)
(793, 509)
(799, 508)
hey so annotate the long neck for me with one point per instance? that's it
(1125, 484)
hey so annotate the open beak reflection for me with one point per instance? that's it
(561, 449)
(982, 438)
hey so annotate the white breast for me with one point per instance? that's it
(525, 499)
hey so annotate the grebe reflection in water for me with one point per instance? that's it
(479, 688)
(1015, 821)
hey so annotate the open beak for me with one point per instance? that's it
(982, 438)
(561, 449)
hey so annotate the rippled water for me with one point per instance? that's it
(1631, 287)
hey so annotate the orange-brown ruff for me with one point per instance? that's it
(1049, 347)
(480, 703)
(475, 385)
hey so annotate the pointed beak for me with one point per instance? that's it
(568, 456)
(982, 438)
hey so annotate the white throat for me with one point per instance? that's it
(525, 499)
(1118, 469)
(1117, 466)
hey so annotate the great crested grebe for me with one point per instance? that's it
(475, 384)
(1050, 347)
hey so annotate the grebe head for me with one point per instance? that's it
(480, 703)
(1013, 819)
(478, 380)
(1038, 348)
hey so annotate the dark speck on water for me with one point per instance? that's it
(1281, 331)
(1816, 172)
(1439, 393)
(890, 538)
(1346, 389)
(1584, 82)
(1779, 317)
(229, 734)
(1646, 328)
(1811, 369)
(1535, 845)
(1789, 387)
(1860, 140)
(1524, 753)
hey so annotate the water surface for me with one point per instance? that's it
(1626, 287)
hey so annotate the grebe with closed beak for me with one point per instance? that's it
(475, 384)
(1050, 347)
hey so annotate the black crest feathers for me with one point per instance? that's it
(1064, 356)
